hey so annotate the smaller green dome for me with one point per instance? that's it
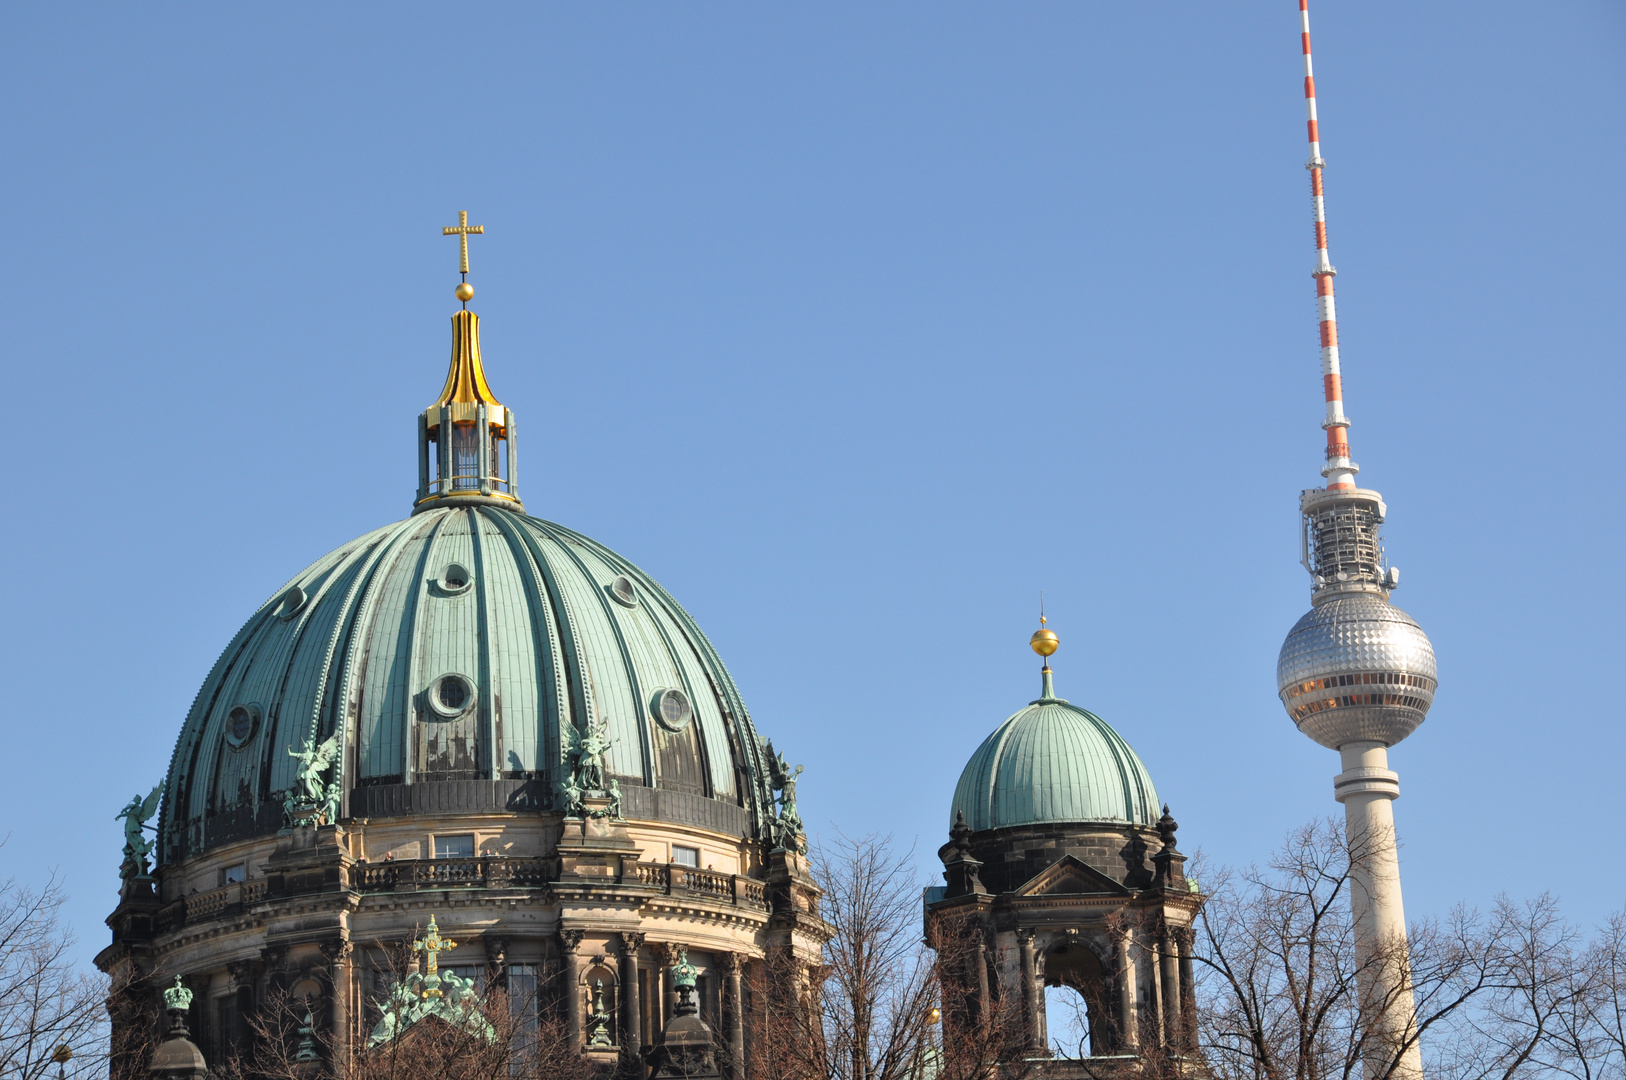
(1054, 762)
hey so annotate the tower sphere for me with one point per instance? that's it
(1356, 668)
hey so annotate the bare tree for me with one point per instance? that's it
(865, 1009)
(1284, 995)
(46, 1001)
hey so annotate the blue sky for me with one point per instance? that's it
(856, 326)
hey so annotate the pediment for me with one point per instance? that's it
(1071, 876)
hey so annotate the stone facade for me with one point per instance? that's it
(587, 910)
(1100, 907)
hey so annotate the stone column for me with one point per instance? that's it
(1170, 963)
(734, 1004)
(1367, 788)
(337, 955)
(569, 942)
(1030, 989)
(631, 1037)
(1128, 1011)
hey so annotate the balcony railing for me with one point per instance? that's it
(478, 872)
(727, 888)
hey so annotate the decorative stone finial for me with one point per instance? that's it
(1166, 828)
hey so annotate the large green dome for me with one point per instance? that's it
(1053, 762)
(450, 650)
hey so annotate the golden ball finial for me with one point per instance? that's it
(1044, 641)
(465, 292)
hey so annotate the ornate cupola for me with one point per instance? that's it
(466, 439)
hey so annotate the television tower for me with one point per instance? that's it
(1356, 673)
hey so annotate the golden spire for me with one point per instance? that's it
(463, 230)
(466, 381)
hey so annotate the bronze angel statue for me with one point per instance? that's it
(135, 815)
(314, 760)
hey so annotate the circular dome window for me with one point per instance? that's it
(672, 709)
(455, 578)
(292, 603)
(241, 724)
(451, 695)
(625, 593)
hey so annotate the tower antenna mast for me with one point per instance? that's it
(1340, 470)
(1357, 674)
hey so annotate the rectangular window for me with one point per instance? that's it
(686, 856)
(454, 847)
(231, 875)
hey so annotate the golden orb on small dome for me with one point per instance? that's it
(1044, 642)
(465, 292)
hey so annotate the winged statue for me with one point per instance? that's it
(314, 760)
(135, 815)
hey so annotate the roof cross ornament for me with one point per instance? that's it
(431, 946)
(463, 230)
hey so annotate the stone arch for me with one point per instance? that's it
(1074, 963)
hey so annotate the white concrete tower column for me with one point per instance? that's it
(1368, 788)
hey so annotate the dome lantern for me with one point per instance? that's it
(467, 448)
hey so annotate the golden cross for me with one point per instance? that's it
(432, 944)
(462, 230)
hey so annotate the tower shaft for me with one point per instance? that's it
(1368, 788)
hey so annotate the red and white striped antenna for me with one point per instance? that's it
(1339, 470)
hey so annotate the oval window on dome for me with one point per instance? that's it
(672, 709)
(292, 602)
(241, 724)
(624, 591)
(455, 578)
(451, 695)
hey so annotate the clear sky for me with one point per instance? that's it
(856, 326)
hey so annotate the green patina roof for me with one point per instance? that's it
(1054, 762)
(357, 641)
